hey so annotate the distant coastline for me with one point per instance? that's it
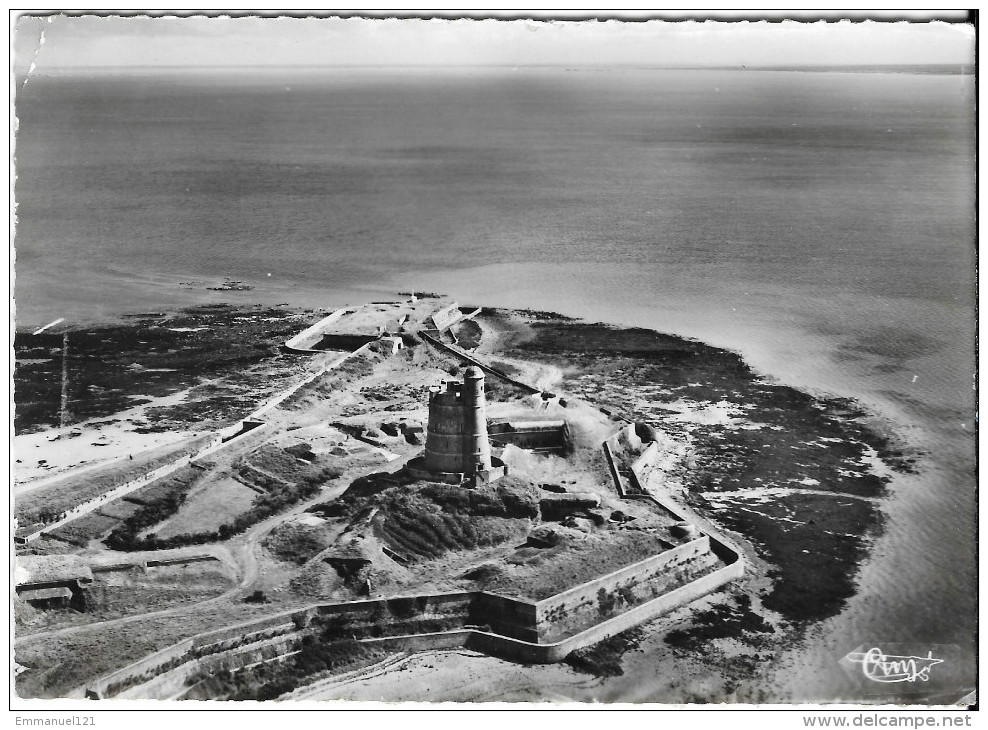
(938, 69)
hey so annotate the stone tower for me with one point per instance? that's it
(457, 437)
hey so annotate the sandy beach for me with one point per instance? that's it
(88, 444)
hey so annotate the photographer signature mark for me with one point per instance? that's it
(881, 667)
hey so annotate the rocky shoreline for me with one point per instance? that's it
(153, 354)
(791, 473)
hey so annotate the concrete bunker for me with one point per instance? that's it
(52, 581)
(349, 558)
(343, 343)
(545, 437)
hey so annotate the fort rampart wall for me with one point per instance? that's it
(646, 461)
(583, 605)
(506, 616)
(493, 623)
(446, 317)
(329, 341)
(141, 671)
(519, 650)
(302, 342)
(289, 392)
(423, 642)
(467, 357)
(533, 435)
(178, 680)
(613, 468)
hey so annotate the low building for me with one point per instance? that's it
(546, 437)
(48, 581)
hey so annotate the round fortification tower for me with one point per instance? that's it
(457, 439)
(444, 439)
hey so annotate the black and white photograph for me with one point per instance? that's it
(368, 358)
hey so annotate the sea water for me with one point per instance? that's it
(820, 223)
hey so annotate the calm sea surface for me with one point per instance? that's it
(820, 223)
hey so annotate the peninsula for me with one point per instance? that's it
(258, 503)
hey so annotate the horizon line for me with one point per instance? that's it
(452, 66)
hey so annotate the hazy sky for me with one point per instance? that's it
(90, 41)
